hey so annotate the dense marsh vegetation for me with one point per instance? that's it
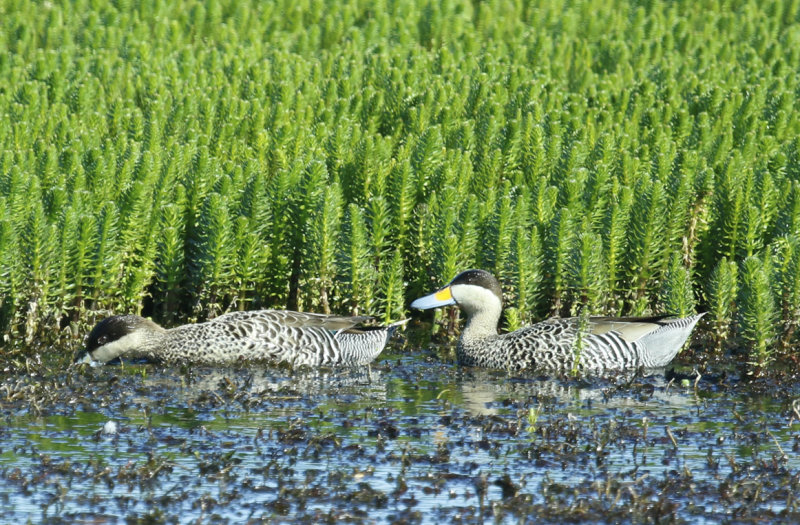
(186, 158)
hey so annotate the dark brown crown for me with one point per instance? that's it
(480, 278)
(110, 329)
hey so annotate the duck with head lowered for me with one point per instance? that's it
(592, 345)
(273, 336)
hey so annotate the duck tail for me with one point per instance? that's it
(660, 346)
(395, 325)
(392, 327)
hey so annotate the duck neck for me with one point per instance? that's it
(480, 325)
(151, 344)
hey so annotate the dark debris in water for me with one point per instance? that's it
(406, 441)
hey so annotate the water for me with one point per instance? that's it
(411, 439)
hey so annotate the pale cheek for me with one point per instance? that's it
(475, 298)
(103, 354)
(122, 346)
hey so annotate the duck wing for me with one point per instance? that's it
(297, 338)
(290, 319)
(629, 328)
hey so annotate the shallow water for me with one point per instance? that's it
(410, 439)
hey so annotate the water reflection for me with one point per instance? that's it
(408, 435)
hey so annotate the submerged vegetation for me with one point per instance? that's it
(184, 159)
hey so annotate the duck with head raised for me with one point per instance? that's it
(274, 336)
(592, 345)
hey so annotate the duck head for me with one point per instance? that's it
(476, 292)
(119, 336)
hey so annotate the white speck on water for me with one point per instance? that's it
(110, 427)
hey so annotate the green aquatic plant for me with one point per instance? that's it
(360, 278)
(392, 285)
(324, 245)
(787, 254)
(211, 259)
(647, 245)
(532, 417)
(559, 242)
(620, 158)
(617, 217)
(528, 275)
(171, 262)
(587, 274)
(500, 232)
(677, 295)
(757, 309)
(722, 291)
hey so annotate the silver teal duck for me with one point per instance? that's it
(272, 336)
(592, 345)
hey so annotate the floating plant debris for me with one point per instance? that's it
(407, 440)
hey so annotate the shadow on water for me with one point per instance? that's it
(411, 439)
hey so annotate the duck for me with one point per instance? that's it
(273, 336)
(583, 345)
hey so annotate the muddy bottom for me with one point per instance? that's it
(411, 439)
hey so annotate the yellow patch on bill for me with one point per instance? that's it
(443, 294)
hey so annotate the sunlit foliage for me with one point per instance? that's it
(182, 159)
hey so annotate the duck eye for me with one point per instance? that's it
(103, 339)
